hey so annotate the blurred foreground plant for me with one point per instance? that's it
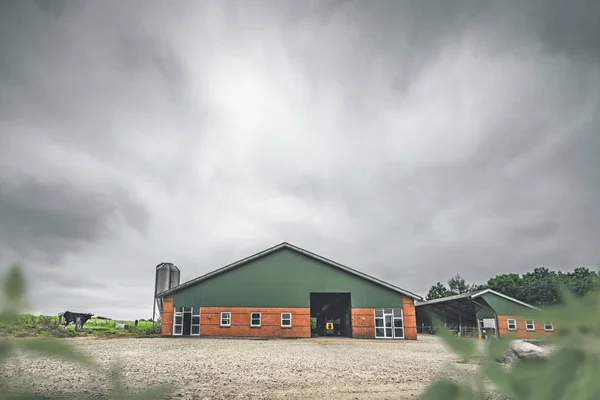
(572, 372)
(14, 301)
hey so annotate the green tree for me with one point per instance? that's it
(540, 287)
(508, 284)
(438, 291)
(458, 285)
(477, 287)
(581, 281)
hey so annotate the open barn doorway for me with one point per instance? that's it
(331, 314)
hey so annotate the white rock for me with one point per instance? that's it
(525, 349)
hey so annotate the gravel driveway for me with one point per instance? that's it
(258, 369)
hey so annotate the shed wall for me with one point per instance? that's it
(522, 332)
(484, 312)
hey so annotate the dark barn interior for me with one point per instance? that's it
(187, 321)
(331, 307)
(455, 312)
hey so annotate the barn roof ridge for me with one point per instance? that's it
(297, 249)
(473, 295)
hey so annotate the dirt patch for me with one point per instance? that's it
(257, 369)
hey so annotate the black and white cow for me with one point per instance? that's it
(79, 319)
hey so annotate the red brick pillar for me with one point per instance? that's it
(410, 318)
(167, 316)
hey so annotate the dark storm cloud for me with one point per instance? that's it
(91, 62)
(441, 137)
(53, 218)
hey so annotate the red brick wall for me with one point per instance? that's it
(167, 316)
(522, 332)
(363, 323)
(210, 318)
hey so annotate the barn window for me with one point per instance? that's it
(178, 321)
(389, 323)
(225, 319)
(529, 325)
(512, 324)
(195, 323)
(548, 326)
(286, 319)
(186, 321)
(255, 319)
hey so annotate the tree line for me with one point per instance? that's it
(539, 287)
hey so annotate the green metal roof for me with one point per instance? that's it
(470, 296)
(280, 246)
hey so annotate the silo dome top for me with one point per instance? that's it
(167, 277)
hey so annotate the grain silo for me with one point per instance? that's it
(167, 277)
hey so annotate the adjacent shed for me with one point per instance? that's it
(485, 313)
(286, 291)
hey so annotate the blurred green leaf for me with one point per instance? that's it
(14, 302)
(447, 390)
(115, 376)
(498, 347)
(155, 393)
(465, 347)
(55, 348)
(555, 380)
(30, 396)
(524, 375)
(14, 284)
(5, 349)
(118, 389)
(499, 377)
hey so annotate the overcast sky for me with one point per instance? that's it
(411, 140)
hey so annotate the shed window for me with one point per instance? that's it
(512, 324)
(529, 325)
(255, 319)
(286, 319)
(548, 326)
(225, 319)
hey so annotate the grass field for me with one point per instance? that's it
(44, 325)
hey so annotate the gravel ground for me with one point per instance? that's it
(258, 369)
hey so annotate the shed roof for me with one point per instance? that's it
(286, 245)
(471, 296)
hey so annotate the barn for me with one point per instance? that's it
(286, 291)
(483, 313)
